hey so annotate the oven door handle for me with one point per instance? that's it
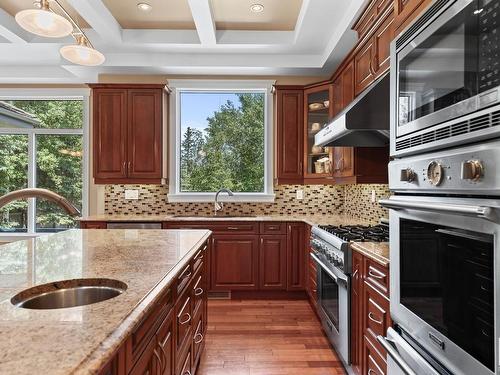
(391, 350)
(482, 212)
(337, 278)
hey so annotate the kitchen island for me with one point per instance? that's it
(159, 267)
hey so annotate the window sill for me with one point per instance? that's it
(209, 198)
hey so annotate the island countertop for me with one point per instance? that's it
(80, 340)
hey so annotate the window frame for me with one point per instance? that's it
(175, 138)
(49, 94)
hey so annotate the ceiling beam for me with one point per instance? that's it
(204, 21)
(10, 30)
(99, 18)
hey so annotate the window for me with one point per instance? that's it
(42, 145)
(222, 139)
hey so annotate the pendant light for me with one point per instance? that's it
(42, 21)
(82, 53)
(45, 22)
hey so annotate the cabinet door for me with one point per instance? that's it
(144, 133)
(356, 311)
(406, 11)
(290, 125)
(110, 133)
(165, 346)
(347, 84)
(272, 262)
(296, 262)
(235, 262)
(148, 363)
(381, 44)
(363, 67)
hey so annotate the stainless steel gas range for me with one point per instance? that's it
(331, 252)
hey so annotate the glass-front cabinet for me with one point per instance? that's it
(318, 110)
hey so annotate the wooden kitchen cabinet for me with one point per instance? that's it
(169, 339)
(235, 262)
(290, 125)
(370, 314)
(93, 224)
(318, 111)
(406, 11)
(272, 262)
(369, 17)
(296, 260)
(354, 165)
(127, 133)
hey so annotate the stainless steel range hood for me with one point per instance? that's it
(364, 123)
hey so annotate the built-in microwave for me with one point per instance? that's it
(445, 77)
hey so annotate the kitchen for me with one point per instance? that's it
(233, 187)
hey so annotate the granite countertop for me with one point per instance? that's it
(80, 340)
(378, 251)
(311, 219)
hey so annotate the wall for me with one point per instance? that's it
(353, 200)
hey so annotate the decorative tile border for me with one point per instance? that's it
(353, 200)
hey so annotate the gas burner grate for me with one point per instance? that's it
(376, 233)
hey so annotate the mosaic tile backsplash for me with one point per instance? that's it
(353, 200)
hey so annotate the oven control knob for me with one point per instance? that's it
(472, 170)
(408, 175)
(435, 173)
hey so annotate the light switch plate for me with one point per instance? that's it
(374, 196)
(131, 194)
(299, 194)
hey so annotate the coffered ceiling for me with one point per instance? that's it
(222, 37)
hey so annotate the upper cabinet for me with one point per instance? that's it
(318, 109)
(290, 125)
(405, 11)
(127, 133)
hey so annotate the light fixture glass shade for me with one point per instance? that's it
(82, 54)
(43, 22)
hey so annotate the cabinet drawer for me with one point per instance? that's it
(145, 329)
(376, 316)
(199, 256)
(184, 278)
(184, 315)
(185, 364)
(228, 227)
(272, 228)
(374, 363)
(377, 275)
(197, 292)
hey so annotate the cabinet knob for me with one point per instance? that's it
(472, 170)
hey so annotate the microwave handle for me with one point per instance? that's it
(481, 212)
(391, 350)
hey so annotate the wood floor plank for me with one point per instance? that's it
(261, 337)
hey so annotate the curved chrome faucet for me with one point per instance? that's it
(40, 193)
(219, 206)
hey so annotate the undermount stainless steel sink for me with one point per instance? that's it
(68, 293)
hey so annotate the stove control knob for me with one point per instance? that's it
(472, 170)
(408, 175)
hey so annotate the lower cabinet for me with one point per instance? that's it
(272, 262)
(296, 257)
(370, 315)
(169, 340)
(235, 262)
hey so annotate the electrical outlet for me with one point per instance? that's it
(299, 194)
(131, 194)
(374, 196)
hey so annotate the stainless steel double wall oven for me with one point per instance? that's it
(445, 178)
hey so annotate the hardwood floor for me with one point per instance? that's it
(261, 337)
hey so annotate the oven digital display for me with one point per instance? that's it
(446, 279)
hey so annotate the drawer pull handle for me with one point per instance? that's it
(187, 373)
(272, 227)
(185, 321)
(198, 291)
(375, 275)
(198, 255)
(158, 358)
(370, 372)
(485, 333)
(485, 288)
(233, 228)
(370, 316)
(197, 341)
(186, 276)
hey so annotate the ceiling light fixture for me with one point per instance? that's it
(257, 8)
(145, 7)
(82, 53)
(43, 21)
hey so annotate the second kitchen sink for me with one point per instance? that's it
(68, 293)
